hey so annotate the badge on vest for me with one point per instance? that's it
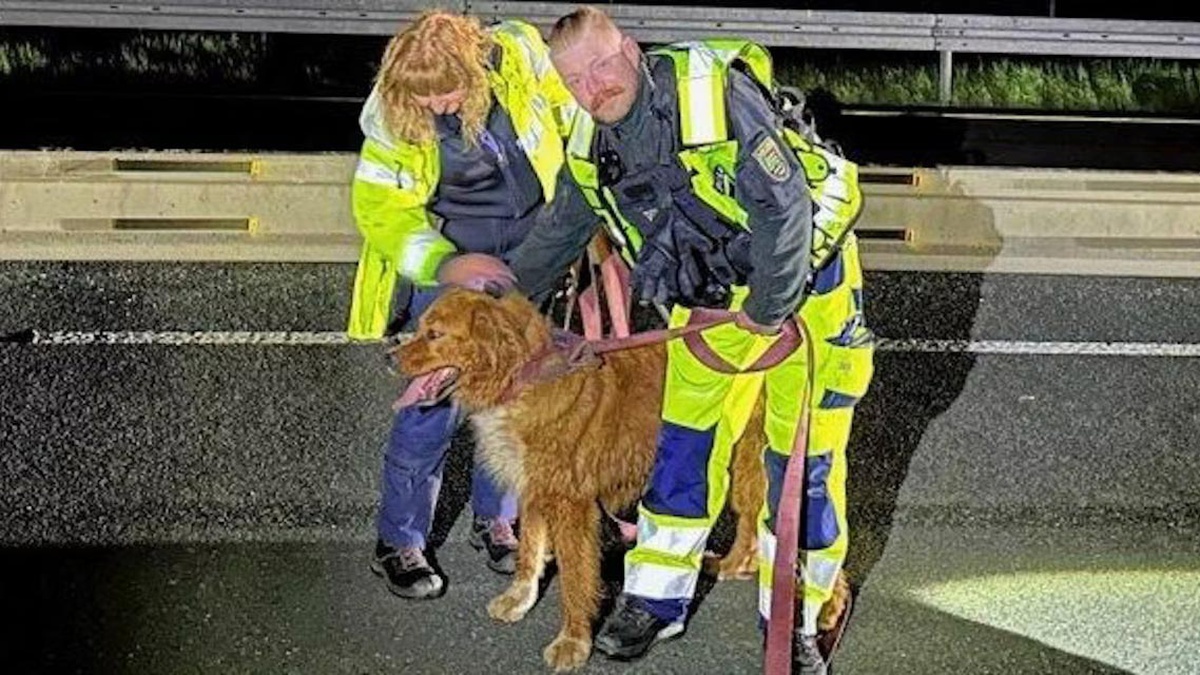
(770, 158)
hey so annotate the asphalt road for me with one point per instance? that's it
(208, 508)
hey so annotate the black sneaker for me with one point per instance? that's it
(806, 656)
(630, 631)
(497, 536)
(407, 572)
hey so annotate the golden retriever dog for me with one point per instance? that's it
(568, 445)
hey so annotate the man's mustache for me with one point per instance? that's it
(606, 95)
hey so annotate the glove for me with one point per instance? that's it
(654, 277)
(697, 285)
(705, 273)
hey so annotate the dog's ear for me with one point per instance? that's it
(492, 325)
(525, 314)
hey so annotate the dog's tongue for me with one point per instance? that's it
(426, 389)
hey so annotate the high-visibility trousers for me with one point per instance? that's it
(705, 412)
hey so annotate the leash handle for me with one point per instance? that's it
(787, 341)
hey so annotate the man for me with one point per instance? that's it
(684, 158)
(463, 145)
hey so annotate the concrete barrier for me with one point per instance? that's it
(1032, 221)
(295, 207)
(176, 206)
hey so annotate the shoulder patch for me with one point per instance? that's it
(771, 159)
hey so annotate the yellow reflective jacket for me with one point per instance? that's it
(395, 180)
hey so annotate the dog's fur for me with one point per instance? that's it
(567, 445)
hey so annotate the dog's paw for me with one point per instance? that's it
(567, 653)
(738, 567)
(513, 604)
(831, 611)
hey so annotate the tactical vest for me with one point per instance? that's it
(710, 155)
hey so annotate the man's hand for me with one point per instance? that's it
(743, 321)
(476, 271)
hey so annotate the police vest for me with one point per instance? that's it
(710, 155)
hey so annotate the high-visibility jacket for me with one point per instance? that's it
(396, 180)
(709, 153)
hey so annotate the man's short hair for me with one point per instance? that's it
(569, 27)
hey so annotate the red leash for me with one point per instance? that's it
(568, 352)
(784, 605)
(701, 319)
(616, 344)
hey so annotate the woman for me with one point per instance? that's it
(464, 137)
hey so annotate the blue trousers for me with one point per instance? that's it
(413, 461)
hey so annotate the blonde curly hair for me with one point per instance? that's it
(439, 53)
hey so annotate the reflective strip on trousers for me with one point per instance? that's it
(647, 579)
(656, 582)
(819, 570)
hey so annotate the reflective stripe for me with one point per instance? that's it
(677, 541)
(766, 558)
(580, 144)
(666, 562)
(530, 113)
(539, 57)
(660, 583)
(371, 122)
(838, 188)
(532, 136)
(416, 251)
(701, 123)
(566, 113)
(370, 172)
(820, 571)
(825, 218)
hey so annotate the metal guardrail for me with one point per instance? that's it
(651, 23)
(942, 33)
(350, 17)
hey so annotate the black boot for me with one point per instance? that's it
(806, 656)
(630, 631)
(407, 572)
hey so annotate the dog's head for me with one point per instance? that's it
(473, 343)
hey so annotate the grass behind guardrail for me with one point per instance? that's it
(140, 57)
(1075, 84)
(343, 65)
